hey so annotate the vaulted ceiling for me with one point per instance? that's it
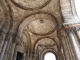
(35, 23)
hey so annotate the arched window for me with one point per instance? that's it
(49, 56)
(77, 6)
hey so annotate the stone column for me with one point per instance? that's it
(77, 33)
(3, 51)
(61, 55)
(63, 41)
(2, 40)
(75, 44)
(67, 47)
(11, 48)
(15, 54)
(11, 52)
(8, 48)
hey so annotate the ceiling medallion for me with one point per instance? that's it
(31, 4)
(42, 26)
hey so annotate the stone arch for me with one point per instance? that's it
(40, 39)
(25, 7)
(27, 43)
(7, 22)
(69, 11)
(26, 21)
(49, 50)
(23, 23)
(39, 47)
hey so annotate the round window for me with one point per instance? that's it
(49, 56)
(77, 6)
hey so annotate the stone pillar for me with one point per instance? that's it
(8, 48)
(11, 52)
(25, 57)
(3, 51)
(63, 38)
(15, 54)
(77, 33)
(61, 56)
(67, 47)
(75, 44)
(2, 40)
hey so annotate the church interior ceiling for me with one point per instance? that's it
(34, 24)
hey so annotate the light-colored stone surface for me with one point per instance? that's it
(31, 27)
(31, 3)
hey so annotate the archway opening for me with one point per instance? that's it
(49, 56)
(77, 6)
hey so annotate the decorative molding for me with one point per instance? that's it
(68, 27)
(30, 4)
(44, 25)
(37, 16)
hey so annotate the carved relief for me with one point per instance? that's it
(31, 4)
